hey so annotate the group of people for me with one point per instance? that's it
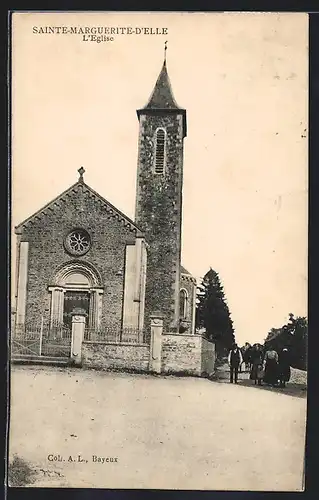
(264, 365)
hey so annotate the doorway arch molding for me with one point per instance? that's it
(91, 284)
(91, 273)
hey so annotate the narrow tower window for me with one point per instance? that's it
(160, 151)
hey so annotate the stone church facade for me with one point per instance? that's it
(81, 251)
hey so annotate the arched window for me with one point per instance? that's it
(183, 306)
(160, 151)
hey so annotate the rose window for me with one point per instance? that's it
(78, 242)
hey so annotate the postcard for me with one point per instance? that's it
(159, 250)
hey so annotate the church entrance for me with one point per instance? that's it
(75, 299)
(77, 285)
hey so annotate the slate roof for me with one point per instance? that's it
(186, 275)
(162, 99)
(162, 96)
(184, 271)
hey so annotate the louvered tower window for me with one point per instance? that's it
(160, 151)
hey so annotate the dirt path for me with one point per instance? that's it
(297, 386)
(165, 432)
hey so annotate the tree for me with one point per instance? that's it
(294, 336)
(212, 312)
(299, 345)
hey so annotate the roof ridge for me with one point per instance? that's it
(25, 221)
(79, 183)
(122, 214)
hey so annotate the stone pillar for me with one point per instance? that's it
(155, 363)
(143, 284)
(99, 305)
(78, 327)
(57, 305)
(193, 312)
(22, 282)
(138, 265)
(95, 309)
(59, 309)
(92, 309)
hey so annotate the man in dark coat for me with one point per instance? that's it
(234, 360)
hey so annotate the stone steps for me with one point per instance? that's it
(40, 360)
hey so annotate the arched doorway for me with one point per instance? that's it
(76, 295)
(76, 284)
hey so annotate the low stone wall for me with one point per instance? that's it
(208, 356)
(182, 353)
(108, 356)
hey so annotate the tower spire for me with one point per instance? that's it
(162, 98)
(165, 49)
(162, 95)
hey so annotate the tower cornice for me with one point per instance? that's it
(162, 101)
(164, 112)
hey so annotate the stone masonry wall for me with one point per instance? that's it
(181, 354)
(159, 214)
(109, 235)
(104, 356)
(208, 357)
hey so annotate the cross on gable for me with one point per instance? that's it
(81, 172)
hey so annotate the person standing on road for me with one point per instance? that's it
(283, 367)
(271, 367)
(247, 357)
(234, 360)
(257, 364)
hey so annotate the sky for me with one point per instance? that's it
(243, 79)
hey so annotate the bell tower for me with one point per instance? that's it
(158, 210)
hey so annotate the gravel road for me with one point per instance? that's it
(164, 432)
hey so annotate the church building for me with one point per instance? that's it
(81, 251)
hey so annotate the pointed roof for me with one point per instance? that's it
(162, 96)
(184, 271)
(186, 275)
(74, 189)
(162, 99)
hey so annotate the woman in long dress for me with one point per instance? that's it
(271, 367)
(247, 356)
(284, 367)
(257, 364)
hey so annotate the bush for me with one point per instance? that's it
(20, 473)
